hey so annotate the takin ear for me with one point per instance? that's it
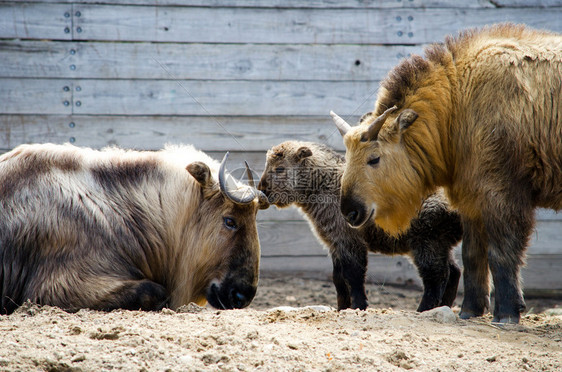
(303, 152)
(406, 118)
(201, 172)
(403, 121)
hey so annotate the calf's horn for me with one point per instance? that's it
(230, 190)
(249, 175)
(262, 198)
(341, 124)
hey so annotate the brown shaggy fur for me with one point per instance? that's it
(481, 116)
(308, 175)
(121, 229)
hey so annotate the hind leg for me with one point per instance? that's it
(135, 295)
(452, 284)
(505, 257)
(475, 275)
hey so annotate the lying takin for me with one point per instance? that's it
(308, 175)
(111, 229)
(481, 116)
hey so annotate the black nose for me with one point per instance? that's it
(353, 211)
(238, 299)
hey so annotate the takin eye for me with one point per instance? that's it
(374, 161)
(279, 169)
(230, 223)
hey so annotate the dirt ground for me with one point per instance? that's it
(291, 326)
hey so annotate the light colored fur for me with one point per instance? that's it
(184, 243)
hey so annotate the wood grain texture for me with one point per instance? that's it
(317, 4)
(220, 133)
(35, 21)
(33, 96)
(181, 97)
(295, 26)
(170, 61)
(217, 98)
(329, 4)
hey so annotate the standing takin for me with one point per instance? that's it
(308, 175)
(111, 229)
(481, 116)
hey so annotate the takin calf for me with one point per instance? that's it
(481, 117)
(124, 229)
(308, 175)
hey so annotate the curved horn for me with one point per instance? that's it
(376, 126)
(248, 194)
(342, 125)
(249, 175)
(263, 201)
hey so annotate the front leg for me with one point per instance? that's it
(354, 271)
(351, 263)
(134, 295)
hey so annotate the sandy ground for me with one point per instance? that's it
(305, 335)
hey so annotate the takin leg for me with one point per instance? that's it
(505, 257)
(450, 293)
(434, 272)
(351, 264)
(475, 275)
(342, 288)
(135, 295)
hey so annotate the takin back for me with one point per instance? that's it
(480, 116)
(308, 175)
(111, 229)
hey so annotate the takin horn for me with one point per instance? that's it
(376, 126)
(341, 124)
(240, 194)
(263, 201)
(230, 190)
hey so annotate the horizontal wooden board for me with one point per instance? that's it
(310, 3)
(181, 97)
(217, 98)
(170, 61)
(35, 21)
(332, 4)
(152, 133)
(35, 96)
(256, 25)
(294, 238)
(295, 26)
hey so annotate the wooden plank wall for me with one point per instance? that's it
(238, 75)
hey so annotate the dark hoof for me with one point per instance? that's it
(468, 314)
(426, 304)
(360, 307)
(506, 319)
